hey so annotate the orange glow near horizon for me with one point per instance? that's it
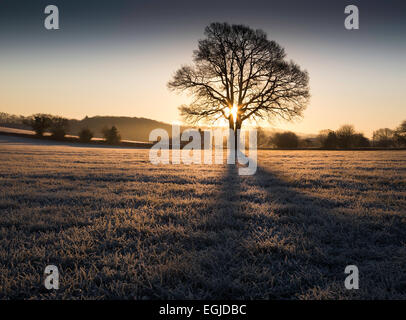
(133, 82)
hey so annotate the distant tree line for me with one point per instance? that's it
(12, 121)
(58, 127)
(130, 128)
(41, 123)
(388, 138)
(344, 138)
(347, 138)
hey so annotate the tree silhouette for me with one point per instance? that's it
(59, 127)
(360, 141)
(327, 139)
(112, 135)
(85, 135)
(238, 74)
(331, 141)
(383, 138)
(39, 123)
(345, 136)
(400, 134)
(286, 140)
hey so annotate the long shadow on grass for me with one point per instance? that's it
(266, 238)
(262, 237)
(298, 244)
(213, 252)
(226, 226)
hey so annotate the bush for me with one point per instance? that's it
(360, 141)
(85, 135)
(39, 123)
(286, 140)
(59, 127)
(112, 135)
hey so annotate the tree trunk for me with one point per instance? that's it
(231, 122)
(231, 126)
(237, 128)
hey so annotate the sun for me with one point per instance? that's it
(224, 121)
(233, 111)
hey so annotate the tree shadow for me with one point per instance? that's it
(214, 251)
(264, 237)
(298, 243)
(259, 237)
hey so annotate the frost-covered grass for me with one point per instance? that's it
(118, 227)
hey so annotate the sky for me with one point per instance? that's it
(116, 57)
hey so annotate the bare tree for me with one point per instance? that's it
(239, 74)
(59, 127)
(112, 136)
(345, 136)
(40, 123)
(384, 138)
(400, 134)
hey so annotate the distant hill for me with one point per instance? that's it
(130, 128)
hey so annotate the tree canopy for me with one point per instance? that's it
(239, 74)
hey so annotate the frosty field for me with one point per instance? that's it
(118, 227)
